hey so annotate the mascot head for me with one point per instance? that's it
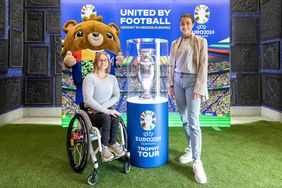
(92, 34)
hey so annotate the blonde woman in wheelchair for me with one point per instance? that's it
(100, 93)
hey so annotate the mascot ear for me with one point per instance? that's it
(68, 25)
(115, 28)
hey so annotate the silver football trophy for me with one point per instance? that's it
(145, 71)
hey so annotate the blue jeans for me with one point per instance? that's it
(189, 111)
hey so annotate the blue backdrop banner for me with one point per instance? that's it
(155, 19)
(160, 19)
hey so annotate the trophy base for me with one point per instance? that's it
(145, 96)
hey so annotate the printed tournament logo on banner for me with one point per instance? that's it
(202, 14)
(87, 10)
(148, 120)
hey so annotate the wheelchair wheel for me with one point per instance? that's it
(93, 178)
(125, 159)
(119, 139)
(78, 143)
(126, 167)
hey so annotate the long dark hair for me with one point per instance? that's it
(187, 15)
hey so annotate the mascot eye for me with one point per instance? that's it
(78, 34)
(110, 36)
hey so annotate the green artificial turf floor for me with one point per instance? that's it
(175, 121)
(248, 155)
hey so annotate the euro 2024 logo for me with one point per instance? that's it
(202, 14)
(87, 10)
(148, 120)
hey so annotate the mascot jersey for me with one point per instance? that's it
(84, 66)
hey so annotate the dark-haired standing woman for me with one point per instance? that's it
(187, 82)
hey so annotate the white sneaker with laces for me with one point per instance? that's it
(106, 154)
(117, 149)
(186, 157)
(200, 175)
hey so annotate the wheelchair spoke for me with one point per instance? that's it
(78, 151)
(77, 154)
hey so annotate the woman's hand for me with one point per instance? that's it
(196, 96)
(171, 92)
(114, 113)
(91, 111)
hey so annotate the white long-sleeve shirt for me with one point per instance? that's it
(100, 94)
(184, 58)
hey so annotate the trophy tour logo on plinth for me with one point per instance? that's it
(149, 142)
(148, 120)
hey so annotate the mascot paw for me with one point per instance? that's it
(119, 59)
(69, 60)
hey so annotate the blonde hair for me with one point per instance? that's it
(95, 69)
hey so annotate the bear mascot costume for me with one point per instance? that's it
(82, 42)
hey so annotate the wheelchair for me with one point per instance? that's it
(80, 137)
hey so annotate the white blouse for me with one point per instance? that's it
(184, 58)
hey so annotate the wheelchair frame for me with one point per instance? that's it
(79, 145)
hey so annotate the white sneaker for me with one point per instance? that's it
(186, 157)
(200, 175)
(106, 154)
(117, 149)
